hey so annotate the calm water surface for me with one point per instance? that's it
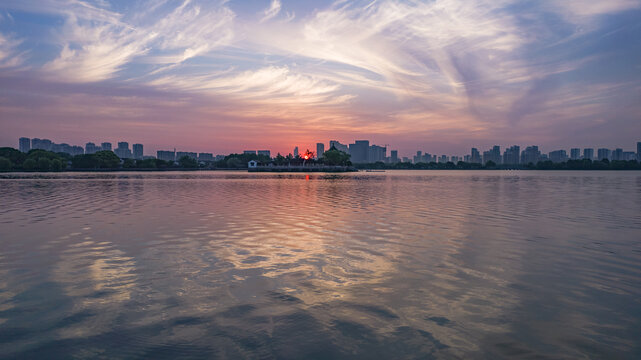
(418, 264)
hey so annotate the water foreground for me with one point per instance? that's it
(416, 264)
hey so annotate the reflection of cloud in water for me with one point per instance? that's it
(376, 266)
(99, 278)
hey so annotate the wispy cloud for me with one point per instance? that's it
(98, 43)
(388, 66)
(271, 11)
(10, 56)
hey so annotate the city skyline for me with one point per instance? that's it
(436, 76)
(361, 151)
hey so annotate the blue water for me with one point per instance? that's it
(396, 265)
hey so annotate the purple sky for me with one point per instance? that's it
(223, 76)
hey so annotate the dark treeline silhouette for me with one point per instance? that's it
(42, 160)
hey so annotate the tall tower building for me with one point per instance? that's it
(588, 154)
(137, 148)
(603, 154)
(105, 146)
(123, 151)
(24, 144)
(575, 154)
(475, 156)
(394, 156)
(359, 151)
(91, 148)
(320, 150)
(296, 152)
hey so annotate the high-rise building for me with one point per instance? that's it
(205, 157)
(376, 153)
(265, 153)
(455, 159)
(394, 156)
(575, 154)
(192, 155)
(123, 151)
(443, 159)
(603, 154)
(359, 151)
(91, 148)
(639, 151)
(617, 154)
(296, 152)
(338, 146)
(166, 155)
(418, 157)
(138, 153)
(249, 152)
(512, 155)
(493, 155)
(24, 144)
(588, 154)
(531, 154)
(43, 144)
(105, 146)
(320, 150)
(475, 156)
(558, 156)
(629, 156)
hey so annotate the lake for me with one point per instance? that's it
(393, 265)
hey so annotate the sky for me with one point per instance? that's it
(223, 76)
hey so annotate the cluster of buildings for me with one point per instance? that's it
(513, 155)
(361, 152)
(123, 151)
(173, 155)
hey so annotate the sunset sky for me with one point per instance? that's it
(222, 76)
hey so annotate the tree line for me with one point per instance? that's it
(42, 160)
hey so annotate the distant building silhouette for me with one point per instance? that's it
(603, 154)
(558, 156)
(512, 155)
(91, 148)
(338, 146)
(296, 152)
(166, 155)
(493, 155)
(207, 157)
(617, 154)
(588, 154)
(394, 156)
(531, 154)
(475, 156)
(105, 146)
(249, 152)
(376, 153)
(575, 154)
(320, 150)
(137, 151)
(24, 144)
(265, 153)
(123, 151)
(192, 155)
